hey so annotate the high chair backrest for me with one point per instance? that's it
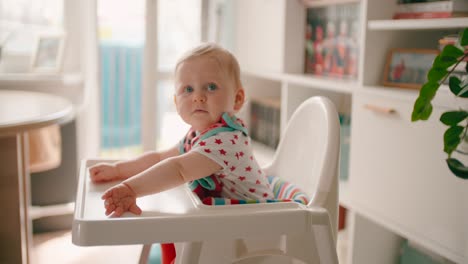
(307, 154)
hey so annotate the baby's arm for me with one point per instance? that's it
(104, 172)
(165, 175)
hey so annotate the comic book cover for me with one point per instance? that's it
(332, 41)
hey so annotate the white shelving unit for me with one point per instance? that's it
(399, 187)
(418, 24)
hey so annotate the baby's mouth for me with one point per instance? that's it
(199, 111)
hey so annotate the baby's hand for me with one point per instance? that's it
(103, 173)
(120, 199)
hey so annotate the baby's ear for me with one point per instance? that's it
(239, 99)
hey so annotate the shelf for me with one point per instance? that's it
(68, 79)
(444, 98)
(321, 3)
(391, 92)
(418, 24)
(324, 83)
(37, 212)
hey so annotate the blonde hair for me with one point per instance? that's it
(226, 60)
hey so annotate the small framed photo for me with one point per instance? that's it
(408, 68)
(48, 54)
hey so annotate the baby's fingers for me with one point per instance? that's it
(134, 209)
(119, 211)
(107, 194)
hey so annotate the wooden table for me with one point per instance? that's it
(21, 111)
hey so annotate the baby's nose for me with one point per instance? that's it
(199, 97)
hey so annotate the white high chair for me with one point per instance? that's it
(306, 156)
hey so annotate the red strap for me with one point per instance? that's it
(168, 253)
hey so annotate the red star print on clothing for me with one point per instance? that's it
(240, 171)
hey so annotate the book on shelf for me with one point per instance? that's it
(332, 41)
(429, 15)
(416, 1)
(434, 9)
(439, 6)
(265, 114)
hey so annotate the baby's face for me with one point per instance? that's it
(203, 92)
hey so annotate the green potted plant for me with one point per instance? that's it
(456, 120)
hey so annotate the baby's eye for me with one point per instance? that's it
(212, 87)
(188, 89)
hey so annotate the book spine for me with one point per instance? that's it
(417, 1)
(422, 15)
(443, 6)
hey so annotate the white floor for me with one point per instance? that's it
(56, 247)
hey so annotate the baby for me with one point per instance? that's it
(215, 157)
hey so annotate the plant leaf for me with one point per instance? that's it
(456, 88)
(439, 63)
(457, 168)
(428, 90)
(452, 138)
(422, 109)
(452, 118)
(436, 73)
(464, 37)
(450, 55)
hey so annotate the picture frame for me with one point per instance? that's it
(48, 53)
(408, 68)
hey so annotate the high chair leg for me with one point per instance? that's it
(190, 253)
(144, 256)
(319, 245)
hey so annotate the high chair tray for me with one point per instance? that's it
(177, 215)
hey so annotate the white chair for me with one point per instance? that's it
(254, 233)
